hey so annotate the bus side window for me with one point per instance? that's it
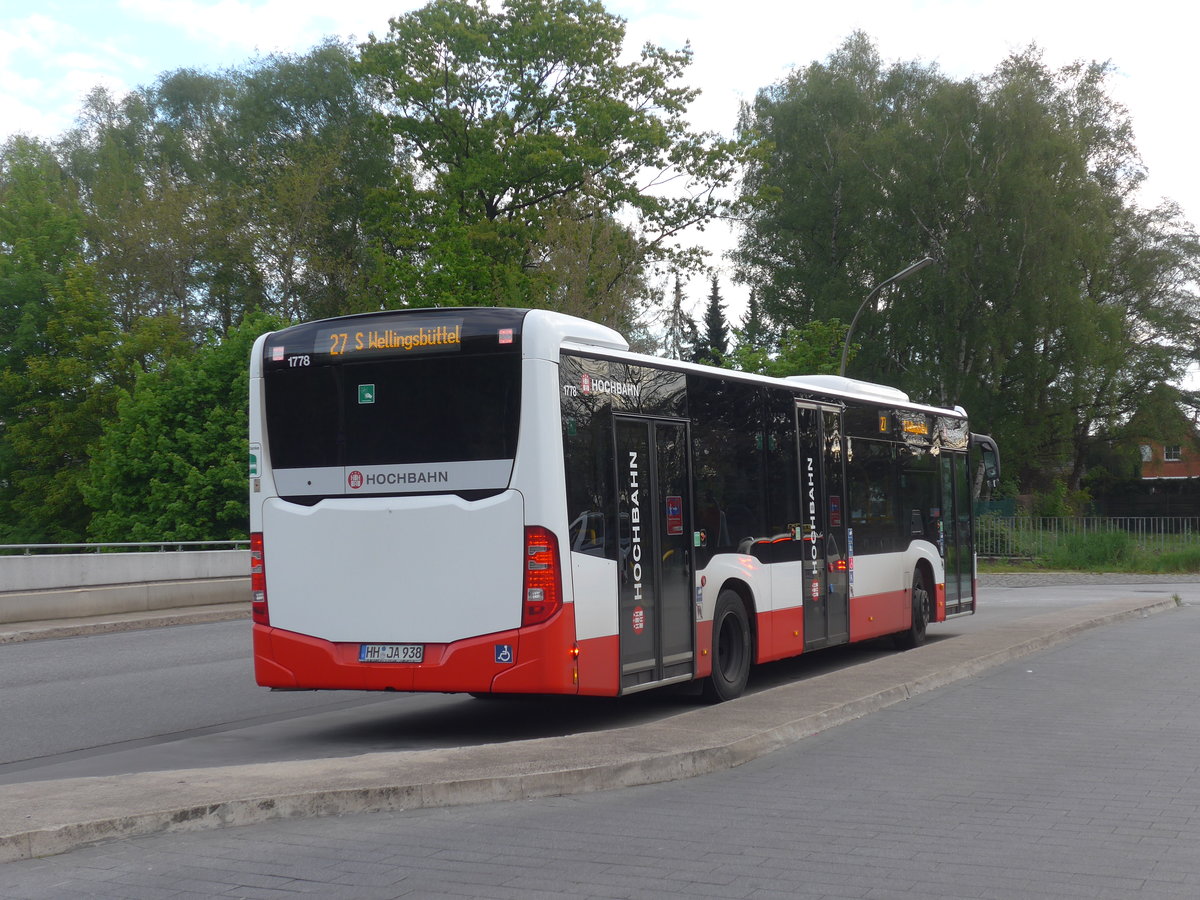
(587, 455)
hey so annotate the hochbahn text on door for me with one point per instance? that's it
(509, 501)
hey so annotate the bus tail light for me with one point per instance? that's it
(543, 579)
(258, 581)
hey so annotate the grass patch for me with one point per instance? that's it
(1111, 551)
(1101, 552)
(1009, 566)
(1186, 561)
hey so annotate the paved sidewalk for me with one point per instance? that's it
(40, 818)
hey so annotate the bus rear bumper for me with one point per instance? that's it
(523, 660)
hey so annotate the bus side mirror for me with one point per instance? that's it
(991, 470)
(989, 455)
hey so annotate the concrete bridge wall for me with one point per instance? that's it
(67, 586)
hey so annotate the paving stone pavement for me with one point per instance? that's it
(1069, 773)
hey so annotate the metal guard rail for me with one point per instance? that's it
(146, 546)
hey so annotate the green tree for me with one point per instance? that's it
(59, 407)
(502, 116)
(814, 348)
(819, 232)
(681, 337)
(209, 195)
(1056, 303)
(754, 333)
(713, 345)
(40, 223)
(56, 343)
(595, 265)
(151, 209)
(172, 466)
(308, 160)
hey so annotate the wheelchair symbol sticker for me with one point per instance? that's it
(504, 653)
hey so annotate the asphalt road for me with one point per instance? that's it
(1065, 773)
(184, 697)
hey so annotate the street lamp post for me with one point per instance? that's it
(899, 276)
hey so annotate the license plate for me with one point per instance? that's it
(391, 653)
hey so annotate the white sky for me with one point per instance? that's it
(54, 51)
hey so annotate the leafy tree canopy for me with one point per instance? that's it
(172, 466)
(814, 348)
(511, 120)
(1056, 303)
(56, 338)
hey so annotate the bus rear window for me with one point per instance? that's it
(394, 411)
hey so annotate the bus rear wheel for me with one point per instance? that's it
(915, 635)
(731, 649)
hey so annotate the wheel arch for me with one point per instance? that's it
(923, 553)
(925, 567)
(743, 590)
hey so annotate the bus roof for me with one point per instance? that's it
(545, 333)
(831, 387)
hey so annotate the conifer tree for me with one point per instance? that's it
(714, 343)
(681, 335)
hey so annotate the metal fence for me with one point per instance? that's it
(1030, 537)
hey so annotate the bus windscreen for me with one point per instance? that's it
(387, 424)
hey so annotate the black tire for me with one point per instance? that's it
(921, 609)
(732, 649)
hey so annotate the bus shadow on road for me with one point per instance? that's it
(441, 722)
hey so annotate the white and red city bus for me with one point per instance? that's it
(509, 501)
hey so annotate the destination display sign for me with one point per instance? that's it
(364, 337)
(397, 336)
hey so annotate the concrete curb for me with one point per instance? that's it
(44, 818)
(131, 621)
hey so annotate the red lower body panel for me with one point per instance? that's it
(875, 615)
(600, 666)
(525, 660)
(704, 660)
(780, 634)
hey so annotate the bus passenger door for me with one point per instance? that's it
(826, 555)
(654, 517)
(957, 543)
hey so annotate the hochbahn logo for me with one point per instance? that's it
(358, 480)
(590, 385)
(635, 533)
(810, 472)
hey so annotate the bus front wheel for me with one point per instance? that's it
(731, 649)
(915, 635)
